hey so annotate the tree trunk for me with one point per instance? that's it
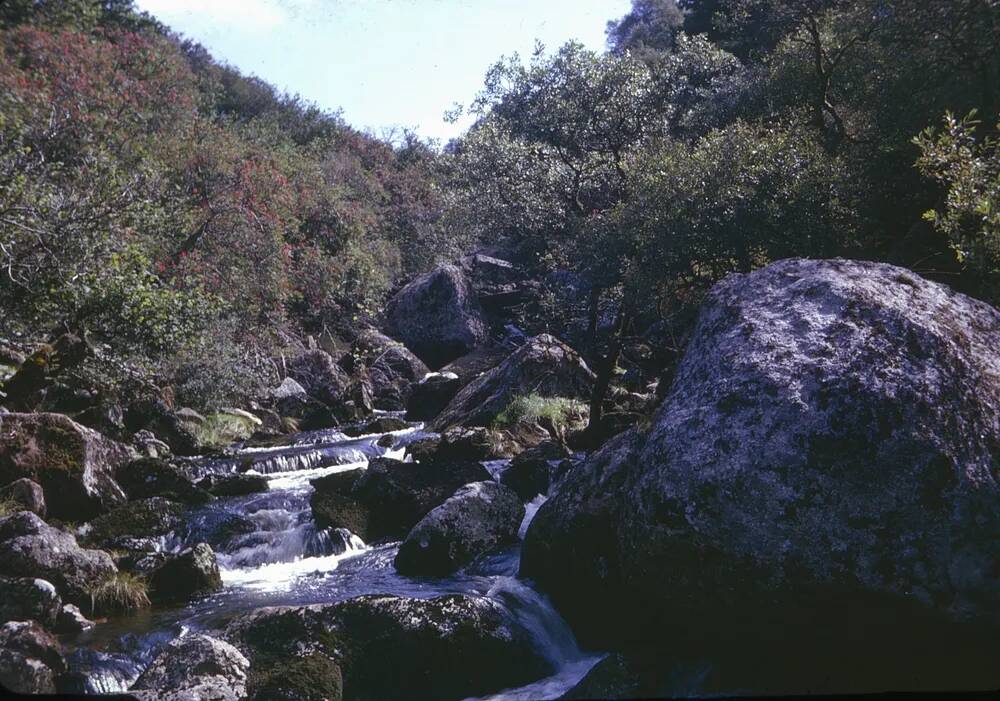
(605, 370)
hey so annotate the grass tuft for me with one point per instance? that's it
(119, 592)
(532, 408)
(9, 507)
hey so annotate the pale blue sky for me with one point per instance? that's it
(384, 62)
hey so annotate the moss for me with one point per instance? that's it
(120, 591)
(9, 506)
(220, 430)
(146, 517)
(314, 676)
(560, 412)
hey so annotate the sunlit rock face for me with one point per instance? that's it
(827, 455)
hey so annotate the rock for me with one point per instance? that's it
(74, 465)
(312, 676)
(382, 424)
(437, 316)
(359, 403)
(389, 497)
(544, 365)
(148, 445)
(149, 477)
(29, 547)
(233, 485)
(71, 620)
(429, 397)
(29, 599)
(30, 658)
(288, 389)
(819, 488)
(529, 474)
(317, 372)
(472, 365)
(153, 414)
(26, 494)
(137, 519)
(447, 648)
(477, 519)
(190, 416)
(639, 676)
(191, 573)
(390, 367)
(199, 667)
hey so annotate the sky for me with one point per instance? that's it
(385, 63)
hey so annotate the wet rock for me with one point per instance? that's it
(74, 465)
(30, 658)
(450, 647)
(191, 573)
(437, 316)
(390, 496)
(311, 677)
(478, 518)
(529, 473)
(823, 464)
(148, 445)
(196, 667)
(146, 518)
(317, 372)
(544, 365)
(26, 494)
(29, 547)
(71, 620)
(149, 477)
(29, 599)
(382, 424)
(233, 485)
(472, 365)
(359, 401)
(429, 397)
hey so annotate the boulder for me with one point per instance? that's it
(311, 676)
(447, 648)
(388, 498)
(544, 365)
(317, 372)
(29, 547)
(26, 494)
(389, 365)
(429, 397)
(146, 518)
(819, 488)
(29, 599)
(191, 573)
(437, 316)
(150, 477)
(196, 666)
(381, 424)
(233, 485)
(30, 658)
(530, 473)
(472, 365)
(152, 414)
(149, 446)
(74, 465)
(478, 518)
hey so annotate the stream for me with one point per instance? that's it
(271, 554)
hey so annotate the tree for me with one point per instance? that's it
(650, 26)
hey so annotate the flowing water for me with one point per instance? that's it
(270, 553)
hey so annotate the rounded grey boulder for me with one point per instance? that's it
(478, 518)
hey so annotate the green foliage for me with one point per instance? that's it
(222, 429)
(118, 592)
(9, 507)
(969, 168)
(559, 412)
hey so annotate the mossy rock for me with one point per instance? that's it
(136, 519)
(222, 429)
(314, 677)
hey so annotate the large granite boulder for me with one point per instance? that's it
(448, 648)
(74, 465)
(530, 473)
(430, 396)
(188, 574)
(29, 547)
(145, 518)
(389, 365)
(543, 365)
(388, 498)
(479, 518)
(819, 485)
(318, 373)
(195, 666)
(437, 316)
(151, 477)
